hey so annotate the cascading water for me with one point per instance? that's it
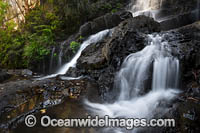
(92, 39)
(136, 69)
(52, 59)
(145, 7)
(162, 10)
(61, 54)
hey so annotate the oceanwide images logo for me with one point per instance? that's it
(105, 122)
(30, 121)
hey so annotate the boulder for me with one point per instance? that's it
(86, 29)
(92, 57)
(107, 21)
(98, 24)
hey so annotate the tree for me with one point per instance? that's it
(3, 10)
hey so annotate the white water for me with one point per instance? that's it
(92, 39)
(136, 69)
(145, 7)
(61, 54)
(70, 78)
(52, 57)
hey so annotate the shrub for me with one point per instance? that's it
(74, 46)
(34, 53)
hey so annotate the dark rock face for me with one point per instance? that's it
(189, 48)
(179, 20)
(92, 57)
(107, 21)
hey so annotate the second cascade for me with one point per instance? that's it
(154, 63)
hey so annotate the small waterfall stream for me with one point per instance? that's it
(52, 59)
(134, 71)
(61, 54)
(92, 39)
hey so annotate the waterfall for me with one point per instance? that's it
(52, 59)
(91, 40)
(145, 7)
(165, 73)
(131, 78)
(61, 54)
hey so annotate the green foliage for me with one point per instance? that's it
(74, 13)
(74, 46)
(34, 52)
(3, 10)
(21, 49)
(114, 11)
(80, 38)
(107, 6)
(9, 43)
(44, 25)
(11, 52)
